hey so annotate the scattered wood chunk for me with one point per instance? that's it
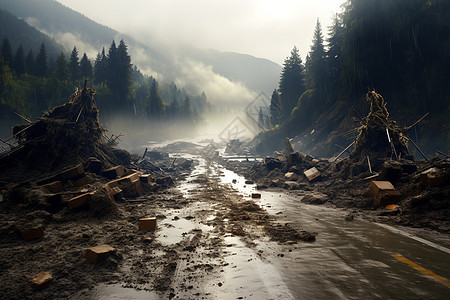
(94, 165)
(31, 233)
(80, 182)
(98, 253)
(78, 200)
(384, 193)
(146, 224)
(433, 177)
(72, 172)
(145, 179)
(41, 280)
(249, 182)
(112, 191)
(53, 187)
(312, 174)
(256, 195)
(114, 172)
(130, 185)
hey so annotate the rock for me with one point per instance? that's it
(94, 165)
(272, 163)
(296, 170)
(291, 176)
(290, 185)
(98, 253)
(295, 158)
(41, 280)
(276, 183)
(315, 198)
(349, 217)
(165, 181)
(391, 171)
(432, 177)
(146, 224)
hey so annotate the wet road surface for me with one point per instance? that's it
(348, 260)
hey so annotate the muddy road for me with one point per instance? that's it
(217, 242)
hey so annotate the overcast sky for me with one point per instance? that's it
(262, 28)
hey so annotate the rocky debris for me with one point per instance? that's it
(97, 254)
(41, 280)
(380, 154)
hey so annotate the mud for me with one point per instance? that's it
(176, 261)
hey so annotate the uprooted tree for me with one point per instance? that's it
(379, 137)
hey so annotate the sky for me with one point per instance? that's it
(262, 28)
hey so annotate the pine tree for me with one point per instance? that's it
(124, 69)
(155, 103)
(85, 67)
(261, 121)
(41, 63)
(186, 110)
(100, 66)
(334, 56)
(275, 109)
(7, 52)
(316, 67)
(19, 61)
(292, 82)
(29, 63)
(74, 66)
(61, 69)
(112, 76)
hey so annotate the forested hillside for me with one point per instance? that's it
(34, 80)
(397, 47)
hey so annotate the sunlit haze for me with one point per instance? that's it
(266, 29)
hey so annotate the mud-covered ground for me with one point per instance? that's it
(422, 204)
(142, 260)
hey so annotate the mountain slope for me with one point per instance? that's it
(71, 28)
(19, 32)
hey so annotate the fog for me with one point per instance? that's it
(267, 29)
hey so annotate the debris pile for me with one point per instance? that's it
(378, 173)
(379, 137)
(67, 135)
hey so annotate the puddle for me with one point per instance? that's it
(237, 182)
(115, 291)
(246, 276)
(173, 231)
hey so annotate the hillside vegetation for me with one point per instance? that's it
(397, 48)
